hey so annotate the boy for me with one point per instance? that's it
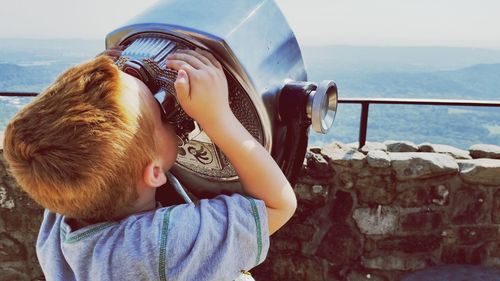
(92, 149)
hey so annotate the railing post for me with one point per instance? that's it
(363, 124)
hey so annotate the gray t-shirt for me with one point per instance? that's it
(211, 240)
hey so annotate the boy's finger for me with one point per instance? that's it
(211, 57)
(178, 64)
(198, 55)
(193, 61)
(182, 86)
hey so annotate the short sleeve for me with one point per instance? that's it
(214, 239)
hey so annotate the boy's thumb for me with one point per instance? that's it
(182, 84)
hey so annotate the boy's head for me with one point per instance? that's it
(89, 145)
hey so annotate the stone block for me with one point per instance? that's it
(342, 155)
(401, 146)
(468, 206)
(11, 249)
(289, 267)
(341, 245)
(397, 262)
(317, 165)
(364, 276)
(295, 231)
(494, 249)
(378, 159)
(458, 254)
(315, 194)
(485, 151)
(341, 207)
(495, 211)
(11, 273)
(426, 192)
(376, 190)
(421, 221)
(408, 166)
(381, 220)
(445, 149)
(414, 197)
(478, 234)
(480, 171)
(346, 180)
(5, 199)
(454, 254)
(369, 146)
(410, 244)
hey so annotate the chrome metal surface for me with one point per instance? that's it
(251, 38)
(178, 187)
(258, 51)
(323, 106)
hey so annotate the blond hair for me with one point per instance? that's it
(78, 149)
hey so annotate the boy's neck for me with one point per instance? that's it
(146, 201)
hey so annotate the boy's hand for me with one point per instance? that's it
(201, 85)
(203, 94)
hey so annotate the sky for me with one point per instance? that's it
(455, 23)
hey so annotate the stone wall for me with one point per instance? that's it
(370, 214)
(20, 219)
(387, 210)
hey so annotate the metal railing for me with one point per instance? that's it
(365, 106)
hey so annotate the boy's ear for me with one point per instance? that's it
(153, 174)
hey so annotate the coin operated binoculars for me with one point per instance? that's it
(267, 82)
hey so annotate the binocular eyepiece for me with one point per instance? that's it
(145, 59)
(266, 77)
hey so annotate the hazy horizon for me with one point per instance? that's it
(304, 44)
(384, 23)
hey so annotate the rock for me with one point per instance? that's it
(369, 146)
(340, 154)
(485, 151)
(315, 194)
(410, 244)
(341, 245)
(376, 221)
(376, 190)
(388, 262)
(346, 180)
(11, 249)
(481, 171)
(364, 276)
(10, 273)
(5, 200)
(422, 165)
(341, 207)
(421, 221)
(401, 146)
(459, 254)
(354, 145)
(317, 165)
(477, 234)
(445, 149)
(495, 211)
(468, 206)
(378, 159)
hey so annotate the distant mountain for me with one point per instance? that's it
(476, 82)
(459, 73)
(348, 59)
